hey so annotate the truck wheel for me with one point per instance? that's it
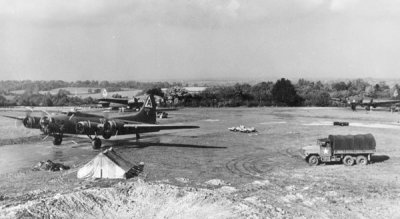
(348, 160)
(313, 160)
(361, 160)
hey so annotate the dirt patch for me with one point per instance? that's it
(133, 200)
(264, 176)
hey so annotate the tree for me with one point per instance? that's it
(177, 92)
(262, 92)
(339, 86)
(3, 101)
(155, 91)
(242, 93)
(284, 93)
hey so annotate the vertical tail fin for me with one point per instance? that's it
(104, 93)
(147, 114)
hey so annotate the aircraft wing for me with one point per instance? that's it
(165, 109)
(386, 102)
(114, 100)
(380, 103)
(13, 117)
(154, 127)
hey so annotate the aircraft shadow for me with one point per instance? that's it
(142, 144)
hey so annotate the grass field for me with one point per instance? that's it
(13, 129)
(220, 173)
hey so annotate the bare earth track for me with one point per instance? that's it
(210, 172)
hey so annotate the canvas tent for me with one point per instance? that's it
(107, 164)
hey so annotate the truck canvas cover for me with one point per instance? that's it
(346, 143)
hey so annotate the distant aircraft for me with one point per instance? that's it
(91, 124)
(119, 102)
(130, 104)
(367, 104)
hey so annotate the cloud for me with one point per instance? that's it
(340, 5)
(184, 13)
(196, 13)
(58, 12)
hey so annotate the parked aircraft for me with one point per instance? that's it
(367, 104)
(105, 125)
(126, 103)
(119, 102)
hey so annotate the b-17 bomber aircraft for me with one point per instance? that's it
(124, 102)
(368, 104)
(97, 125)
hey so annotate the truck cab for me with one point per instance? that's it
(321, 151)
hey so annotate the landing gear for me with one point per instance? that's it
(106, 136)
(96, 143)
(57, 139)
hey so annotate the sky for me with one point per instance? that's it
(198, 39)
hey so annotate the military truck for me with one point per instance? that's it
(348, 149)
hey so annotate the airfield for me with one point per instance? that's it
(210, 172)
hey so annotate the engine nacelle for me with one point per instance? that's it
(86, 127)
(31, 122)
(111, 128)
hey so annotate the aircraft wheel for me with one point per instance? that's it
(348, 160)
(96, 143)
(361, 160)
(106, 136)
(313, 160)
(57, 140)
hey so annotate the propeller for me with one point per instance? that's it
(106, 114)
(28, 121)
(29, 110)
(18, 123)
(47, 123)
(45, 137)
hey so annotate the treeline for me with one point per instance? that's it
(280, 93)
(35, 86)
(62, 98)
(283, 93)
